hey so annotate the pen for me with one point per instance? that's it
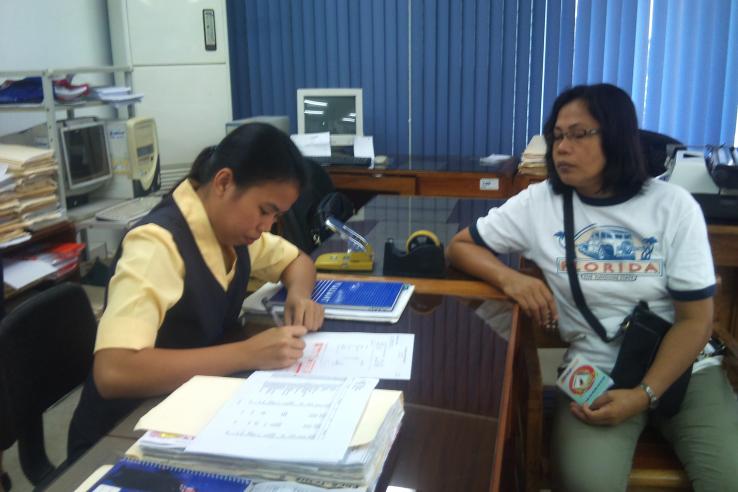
(270, 309)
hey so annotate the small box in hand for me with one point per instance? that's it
(583, 381)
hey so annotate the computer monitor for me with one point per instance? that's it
(338, 111)
(85, 155)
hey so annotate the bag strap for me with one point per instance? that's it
(571, 270)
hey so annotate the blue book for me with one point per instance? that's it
(141, 476)
(351, 294)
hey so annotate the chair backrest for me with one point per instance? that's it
(303, 224)
(46, 346)
(654, 147)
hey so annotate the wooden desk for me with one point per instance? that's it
(424, 176)
(724, 245)
(388, 216)
(397, 217)
(457, 402)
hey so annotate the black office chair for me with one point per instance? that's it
(303, 224)
(655, 147)
(46, 346)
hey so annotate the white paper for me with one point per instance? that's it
(378, 355)
(278, 416)
(313, 144)
(19, 273)
(364, 147)
(493, 159)
(297, 487)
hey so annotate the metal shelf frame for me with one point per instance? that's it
(50, 106)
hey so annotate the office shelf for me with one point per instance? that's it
(51, 106)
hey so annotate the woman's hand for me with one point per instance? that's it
(533, 296)
(276, 347)
(612, 407)
(303, 311)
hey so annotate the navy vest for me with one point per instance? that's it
(200, 318)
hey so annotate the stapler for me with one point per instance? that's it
(359, 256)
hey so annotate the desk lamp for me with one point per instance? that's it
(359, 256)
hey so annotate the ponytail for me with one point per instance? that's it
(203, 161)
(256, 153)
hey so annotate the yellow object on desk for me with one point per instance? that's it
(358, 258)
(353, 261)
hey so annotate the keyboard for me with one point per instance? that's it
(343, 160)
(129, 210)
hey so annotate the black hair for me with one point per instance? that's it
(256, 153)
(625, 168)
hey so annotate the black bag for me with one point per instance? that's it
(642, 331)
(304, 223)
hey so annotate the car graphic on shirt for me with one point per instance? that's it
(611, 243)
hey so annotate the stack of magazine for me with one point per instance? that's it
(171, 437)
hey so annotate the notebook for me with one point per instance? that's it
(351, 294)
(129, 475)
(253, 304)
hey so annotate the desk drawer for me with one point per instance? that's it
(378, 183)
(467, 185)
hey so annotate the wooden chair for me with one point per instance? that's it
(655, 466)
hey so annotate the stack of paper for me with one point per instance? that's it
(250, 429)
(115, 94)
(381, 302)
(533, 162)
(28, 190)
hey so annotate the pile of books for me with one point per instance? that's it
(28, 191)
(533, 162)
(172, 435)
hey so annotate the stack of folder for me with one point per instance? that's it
(28, 190)
(533, 162)
(170, 431)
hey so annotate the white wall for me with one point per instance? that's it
(39, 34)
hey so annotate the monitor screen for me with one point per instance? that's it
(338, 111)
(86, 156)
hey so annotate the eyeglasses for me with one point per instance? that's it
(574, 135)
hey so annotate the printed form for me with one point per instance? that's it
(377, 355)
(283, 417)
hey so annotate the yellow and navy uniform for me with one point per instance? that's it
(174, 286)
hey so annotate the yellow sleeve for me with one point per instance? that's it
(270, 255)
(148, 281)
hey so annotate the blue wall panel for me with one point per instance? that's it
(472, 77)
(284, 45)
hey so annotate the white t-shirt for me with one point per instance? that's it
(652, 246)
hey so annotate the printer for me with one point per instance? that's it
(711, 175)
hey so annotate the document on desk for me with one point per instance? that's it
(313, 144)
(376, 355)
(278, 416)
